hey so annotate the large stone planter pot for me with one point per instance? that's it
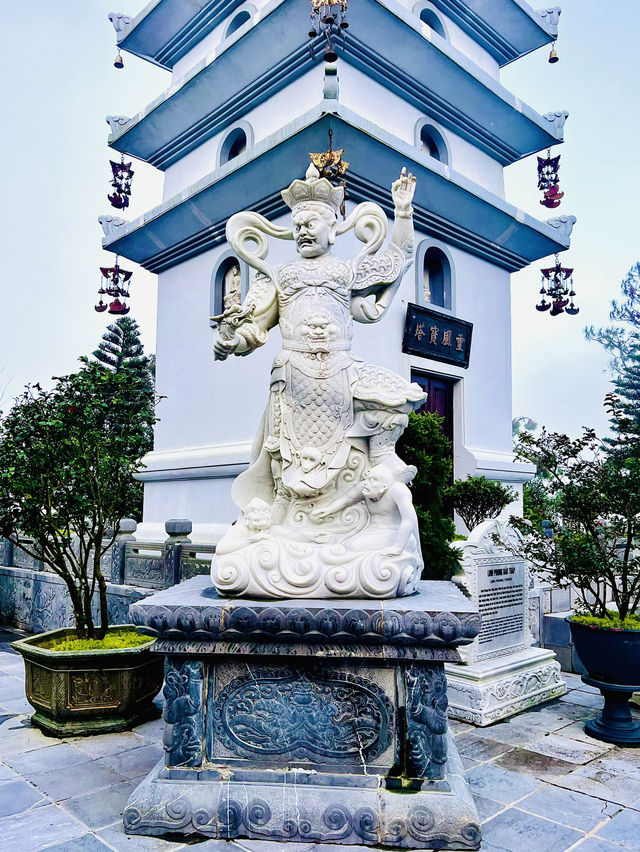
(612, 660)
(77, 693)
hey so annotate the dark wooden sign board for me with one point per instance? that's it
(438, 336)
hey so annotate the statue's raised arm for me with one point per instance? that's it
(379, 275)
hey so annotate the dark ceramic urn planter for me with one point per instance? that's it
(612, 660)
(77, 693)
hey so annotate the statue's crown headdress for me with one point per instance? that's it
(313, 189)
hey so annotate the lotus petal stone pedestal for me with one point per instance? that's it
(308, 720)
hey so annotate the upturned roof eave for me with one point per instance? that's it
(447, 204)
(165, 30)
(384, 41)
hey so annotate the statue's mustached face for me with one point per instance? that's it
(313, 234)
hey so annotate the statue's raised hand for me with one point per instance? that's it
(402, 191)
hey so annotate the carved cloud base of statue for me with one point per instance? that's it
(326, 508)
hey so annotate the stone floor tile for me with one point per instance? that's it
(98, 811)
(594, 844)
(151, 730)
(498, 784)
(134, 762)
(17, 796)
(478, 749)
(234, 846)
(86, 843)
(573, 751)
(594, 780)
(46, 758)
(517, 831)
(12, 687)
(103, 744)
(575, 712)
(511, 733)
(16, 738)
(486, 808)
(6, 772)
(584, 699)
(115, 836)
(569, 807)
(524, 761)
(30, 831)
(624, 829)
(66, 783)
(576, 731)
(458, 727)
(467, 763)
(624, 762)
(18, 706)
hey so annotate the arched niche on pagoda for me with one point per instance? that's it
(431, 140)
(434, 276)
(237, 139)
(240, 16)
(224, 283)
(429, 16)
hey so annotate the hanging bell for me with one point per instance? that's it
(553, 56)
(312, 33)
(118, 62)
(330, 55)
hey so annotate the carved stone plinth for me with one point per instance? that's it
(309, 720)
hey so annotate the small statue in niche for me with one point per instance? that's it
(327, 438)
(232, 287)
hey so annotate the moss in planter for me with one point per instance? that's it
(113, 640)
(612, 621)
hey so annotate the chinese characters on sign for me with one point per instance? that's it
(437, 336)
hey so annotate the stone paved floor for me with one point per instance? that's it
(541, 784)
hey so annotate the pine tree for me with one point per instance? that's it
(121, 348)
(624, 405)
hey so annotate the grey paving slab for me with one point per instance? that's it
(584, 699)
(512, 733)
(44, 759)
(624, 762)
(99, 811)
(6, 772)
(594, 844)
(18, 706)
(594, 780)
(17, 736)
(86, 843)
(524, 761)
(569, 807)
(103, 744)
(517, 831)
(624, 829)
(151, 730)
(12, 687)
(30, 831)
(479, 749)
(66, 783)
(486, 807)
(576, 731)
(115, 836)
(17, 796)
(134, 762)
(572, 751)
(498, 784)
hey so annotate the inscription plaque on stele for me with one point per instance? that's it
(503, 606)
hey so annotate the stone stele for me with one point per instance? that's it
(503, 674)
(325, 506)
(308, 721)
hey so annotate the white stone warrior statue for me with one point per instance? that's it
(326, 511)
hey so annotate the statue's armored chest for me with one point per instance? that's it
(331, 274)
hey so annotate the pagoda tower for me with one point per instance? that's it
(414, 85)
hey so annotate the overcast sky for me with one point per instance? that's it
(58, 60)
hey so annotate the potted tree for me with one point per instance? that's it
(67, 459)
(593, 503)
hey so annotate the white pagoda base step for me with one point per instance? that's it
(484, 692)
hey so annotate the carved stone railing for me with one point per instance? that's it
(133, 562)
